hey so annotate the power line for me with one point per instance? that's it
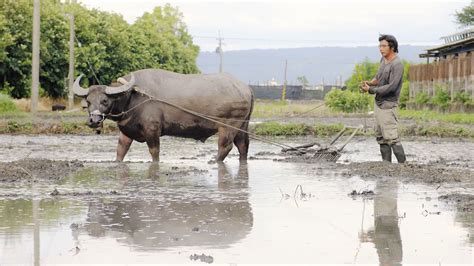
(270, 40)
(88, 63)
(306, 40)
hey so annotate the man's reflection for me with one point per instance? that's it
(387, 237)
(386, 234)
(179, 216)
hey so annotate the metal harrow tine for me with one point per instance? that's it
(329, 153)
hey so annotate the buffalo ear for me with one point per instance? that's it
(118, 95)
(121, 89)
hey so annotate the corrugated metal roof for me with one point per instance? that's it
(451, 41)
(458, 36)
(440, 47)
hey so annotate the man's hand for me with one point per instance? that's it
(365, 86)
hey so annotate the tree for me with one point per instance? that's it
(353, 98)
(303, 80)
(362, 71)
(465, 18)
(104, 49)
(109, 46)
(367, 71)
(165, 40)
(15, 41)
(53, 49)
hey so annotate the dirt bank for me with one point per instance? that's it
(463, 202)
(33, 170)
(433, 173)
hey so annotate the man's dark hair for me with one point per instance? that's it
(392, 41)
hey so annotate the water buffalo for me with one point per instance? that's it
(138, 108)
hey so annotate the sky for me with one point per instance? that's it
(271, 24)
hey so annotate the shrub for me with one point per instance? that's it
(422, 98)
(441, 98)
(7, 105)
(347, 101)
(404, 94)
(462, 97)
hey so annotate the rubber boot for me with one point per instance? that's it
(386, 152)
(399, 152)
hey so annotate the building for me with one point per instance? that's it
(448, 66)
(293, 92)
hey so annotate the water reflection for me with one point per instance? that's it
(28, 217)
(466, 219)
(386, 233)
(184, 216)
(36, 232)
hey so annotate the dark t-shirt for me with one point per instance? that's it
(390, 78)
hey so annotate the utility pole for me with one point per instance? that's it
(220, 51)
(34, 108)
(70, 75)
(35, 57)
(283, 92)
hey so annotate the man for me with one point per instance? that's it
(386, 86)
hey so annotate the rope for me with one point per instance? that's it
(312, 109)
(125, 112)
(207, 117)
(88, 63)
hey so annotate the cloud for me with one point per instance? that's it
(267, 24)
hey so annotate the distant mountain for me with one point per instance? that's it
(316, 63)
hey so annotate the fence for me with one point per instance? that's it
(455, 73)
(293, 92)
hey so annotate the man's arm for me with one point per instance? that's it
(366, 84)
(394, 80)
(373, 82)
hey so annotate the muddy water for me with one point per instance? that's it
(191, 210)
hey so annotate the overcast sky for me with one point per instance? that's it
(282, 24)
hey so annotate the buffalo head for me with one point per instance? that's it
(100, 99)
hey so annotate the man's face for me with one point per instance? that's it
(384, 48)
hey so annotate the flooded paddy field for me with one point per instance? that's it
(64, 200)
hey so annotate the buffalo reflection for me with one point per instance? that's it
(182, 216)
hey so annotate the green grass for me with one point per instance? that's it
(437, 131)
(295, 129)
(15, 121)
(51, 127)
(7, 106)
(277, 129)
(270, 109)
(327, 129)
(422, 115)
(323, 130)
(264, 129)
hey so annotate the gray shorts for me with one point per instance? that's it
(386, 125)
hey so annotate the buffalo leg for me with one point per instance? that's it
(241, 141)
(154, 148)
(226, 136)
(123, 146)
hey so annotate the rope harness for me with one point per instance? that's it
(204, 116)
